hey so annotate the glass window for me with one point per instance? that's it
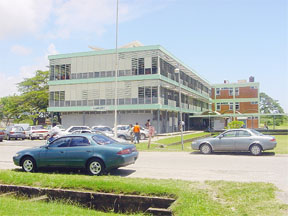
(141, 66)
(231, 106)
(147, 70)
(230, 134)
(51, 72)
(243, 133)
(230, 91)
(57, 72)
(62, 72)
(134, 63)
(103, 140)
(218, 106)
(79, 141)
(61, 142)
(217, 91)
(237, 106)
(154, 65)
(68, 71)
(236, 91)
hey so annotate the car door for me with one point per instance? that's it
(78, 152)
(226, 142)
(54, 154)
(243, 140)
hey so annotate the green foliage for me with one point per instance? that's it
(269, 105)
(12, 107)
(235, 124)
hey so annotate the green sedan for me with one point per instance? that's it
(96, 153)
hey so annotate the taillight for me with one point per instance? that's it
(273, 140)
(125, 151)
(11, 132)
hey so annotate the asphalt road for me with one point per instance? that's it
(188, 166)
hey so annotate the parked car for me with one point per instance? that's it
(236, 140)
(104, 129)
(81, 131)
(2, 133)
(36, 132)
(49, 127)
(123, 132)
(96, 153)
(14, 132)
(74, 128)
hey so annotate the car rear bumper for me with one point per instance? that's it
(124, 160)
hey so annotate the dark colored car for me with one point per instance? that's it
(2, 133)
(15, 132)
(236, 140)
(96, 153)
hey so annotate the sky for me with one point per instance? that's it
(220, 39)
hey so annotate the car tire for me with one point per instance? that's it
(1, 140)
(28, 164)
(256, 150)
(122, 137)
(205, 149)
(95, 167)
(142, 136)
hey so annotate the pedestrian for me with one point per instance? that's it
(131, 133)
(147, 124)
(136, 131)
(151, 134)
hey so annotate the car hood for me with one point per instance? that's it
(30, 150)
(205, 139)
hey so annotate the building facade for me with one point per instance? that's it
(83, 88)
(238, 100)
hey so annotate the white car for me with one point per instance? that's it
(36, 132)
(104, 129)
(123, 132)
(75, 128)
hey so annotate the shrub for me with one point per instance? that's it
(235, 124)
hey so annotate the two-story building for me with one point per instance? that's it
(83, 88)
(236, 101)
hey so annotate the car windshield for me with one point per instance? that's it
(101, 139)
(256, 132)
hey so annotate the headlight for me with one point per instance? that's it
(16, 155)
(193, 143)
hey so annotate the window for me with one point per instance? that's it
(231, 106)
(217, 91)
(218, 106)
(230, 91)
(253, 87)
(141, 95)
(237, 106)
(230, 134)
(134, 63)
(243, 133)
(236, 91)
(79, 141)
(52, 72)
(254, 102)
(61, 142)
(102, 139)
(154, 65)
(141, 66)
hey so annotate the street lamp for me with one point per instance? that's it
(116, 74)
(177, 71)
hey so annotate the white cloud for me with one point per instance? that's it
(8, 84)
(19, 17)
(20, 50)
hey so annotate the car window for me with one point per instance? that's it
(103, 140)
(61, 142)
(257, 133)
(79, 141)
(230, 134)
(243, 133)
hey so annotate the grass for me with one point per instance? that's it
(193, 198)
(282, 144)
(165, 143)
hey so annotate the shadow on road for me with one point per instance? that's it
(114, 172)
(236, 154)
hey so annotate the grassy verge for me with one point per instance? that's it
(165, 144)
(193, 198)
(282, 144)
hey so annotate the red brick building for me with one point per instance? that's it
(236, 101)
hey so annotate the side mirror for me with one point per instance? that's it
(220, 136)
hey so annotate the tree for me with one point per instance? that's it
(35, 94)
(11, 107)
(235, 124)
(269, 105)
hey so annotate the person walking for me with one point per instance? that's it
(136, 131)
(147, 124)
(131, 133)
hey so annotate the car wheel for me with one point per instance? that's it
(1, 140)
(28, 164)
(256, 150)
(142, 136)
(205, 149)
(122, 137)
(95, 167)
